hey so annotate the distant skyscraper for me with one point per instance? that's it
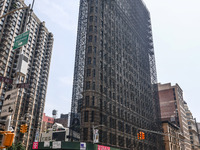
(173, 110)
(115, 77)
(29, 64)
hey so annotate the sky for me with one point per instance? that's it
(176, 30)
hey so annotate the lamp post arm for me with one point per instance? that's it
(94, 127)
(13, 11)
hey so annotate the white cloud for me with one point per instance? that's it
(66, 81)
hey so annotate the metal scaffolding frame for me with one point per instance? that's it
(79, 63)
(115, 74)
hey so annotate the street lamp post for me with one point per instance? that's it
(13, 11)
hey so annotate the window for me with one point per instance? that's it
(93, 85)
(86, 116)
(90, 28)
(93, 100)
(91, 18)
(88, 72)
(90, 49)
(121, 141)
(90, 38)
(101, 104)
(111, 139)
(22, 79)
(95, 39)
(91, 9)
(96, 10)
(85, 133)
(87, 101)
(93, 73)
(95, 18)
(92, 116)
(95, 49)
(89, 60)
(87, 85)
(95, 29)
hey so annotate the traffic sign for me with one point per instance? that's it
(35, 145)
(22, 85)
(9, 102)
(21, 40)
(82, 146)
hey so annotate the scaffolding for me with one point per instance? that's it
(79, 65)
(115, 75)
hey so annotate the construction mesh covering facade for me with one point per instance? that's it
(114, 85)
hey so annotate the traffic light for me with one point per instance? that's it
(23, 128)
(8, 139)
(141, 136)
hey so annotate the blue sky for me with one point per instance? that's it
(176, 30)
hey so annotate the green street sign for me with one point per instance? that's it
(21, 40)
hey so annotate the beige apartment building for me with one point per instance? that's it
(27, 64)
(173, 110)
(193, 130)
(198, 127)
(171, 138)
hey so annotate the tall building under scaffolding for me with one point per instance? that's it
(114, 87)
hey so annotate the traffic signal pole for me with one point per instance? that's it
(7, 128)
(8, 121)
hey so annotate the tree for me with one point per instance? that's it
(17, 146)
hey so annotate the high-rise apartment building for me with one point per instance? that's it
(173, 110)
(114, 85)
(193, 129)
(28, 64)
